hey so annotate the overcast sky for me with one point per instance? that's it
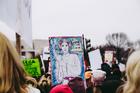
(94, 18)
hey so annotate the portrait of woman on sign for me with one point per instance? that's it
(66, 58)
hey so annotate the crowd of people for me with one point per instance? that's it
(14, 79)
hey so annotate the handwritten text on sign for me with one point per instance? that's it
(32, 67)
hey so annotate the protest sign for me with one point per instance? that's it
(32, 67)
(95, 59)
(109, 58)
(66, 54)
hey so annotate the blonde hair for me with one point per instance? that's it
(12, 74)
(132, 84)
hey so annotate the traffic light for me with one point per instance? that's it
(88, 44)
(87, 47)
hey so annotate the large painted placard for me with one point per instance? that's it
(67, 61)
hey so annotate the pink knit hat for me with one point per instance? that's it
(61, 89)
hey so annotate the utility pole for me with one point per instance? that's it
(86, 57)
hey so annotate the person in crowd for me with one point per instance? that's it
(61, 89)
(110, 86)
(105, 67)
(132, 85)
(77, 85)
(113, 80)
(44, 83)
(31, 81)
(13, 78)
(97, 79)
(120, 89)
(89, 83)
(67, 63)
(88, 73)
(116, 73)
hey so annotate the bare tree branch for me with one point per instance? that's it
(117, 39)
